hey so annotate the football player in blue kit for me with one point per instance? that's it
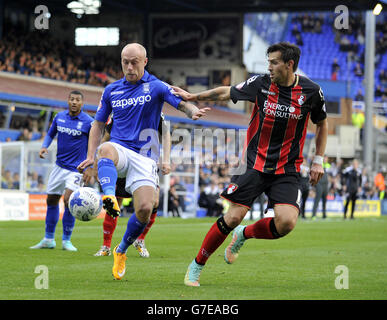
(72, 127)
(132, 152)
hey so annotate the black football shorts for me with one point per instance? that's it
(279, 188)
(120, 189)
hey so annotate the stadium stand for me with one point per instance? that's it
(52, 59)
(35, 81)
(344, 47)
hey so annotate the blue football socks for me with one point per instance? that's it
(68, 222)
(133, 230)
(107, 175)
(52, 217)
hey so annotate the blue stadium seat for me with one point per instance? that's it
(8, 133)
(36, 136)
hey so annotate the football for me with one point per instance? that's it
(85, 204)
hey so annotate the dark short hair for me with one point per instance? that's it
(288, 52)
(76, 92)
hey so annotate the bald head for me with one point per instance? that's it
(133, 61)
(134, 48)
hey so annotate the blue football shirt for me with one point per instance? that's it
(73, 136)
(137, 109)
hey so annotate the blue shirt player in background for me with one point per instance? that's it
(136, 100)
(72, 127)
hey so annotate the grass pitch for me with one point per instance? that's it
(299, 266)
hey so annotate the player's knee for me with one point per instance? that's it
(156, 204)
(107, 151)
(233, 221)
(286, 224)
(235, 216)
(145, 209)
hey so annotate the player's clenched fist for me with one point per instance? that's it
(43, 152)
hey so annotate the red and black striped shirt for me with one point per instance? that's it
(277, 129)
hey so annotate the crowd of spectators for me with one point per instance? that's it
(380, 92)
(38, 54)
(214, 178)
(311, 23)
(351, 39)
(11, 180)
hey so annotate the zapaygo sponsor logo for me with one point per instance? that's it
(69, 131)
(131, 102)
(280, 110)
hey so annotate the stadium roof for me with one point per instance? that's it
(200, 6)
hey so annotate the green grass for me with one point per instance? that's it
(298, 266)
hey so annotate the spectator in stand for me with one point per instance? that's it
(366, 191)
(204, 176)
(209, 199)
(16, 181)
(335, 66)
(295, 30)
(345, 44)
(32, 181)
(359, 96)
(378, 91)
(222, 173)
(360, 37)
(383, 77)
(41, 186)
(305, 24)
(26, 135)
(6, 180)
(317, 27)
(380, 184)
(364, 177)
(322, 191)
(179, 187)
(352, 176)
(173, 202)
(358, 120)
(358, 70)
(299, 40)
(337, 186)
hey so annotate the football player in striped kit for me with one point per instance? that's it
(284, 102)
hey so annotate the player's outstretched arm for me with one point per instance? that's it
(95, 136)
(192, 111)
(317, 170)
(216, 94)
